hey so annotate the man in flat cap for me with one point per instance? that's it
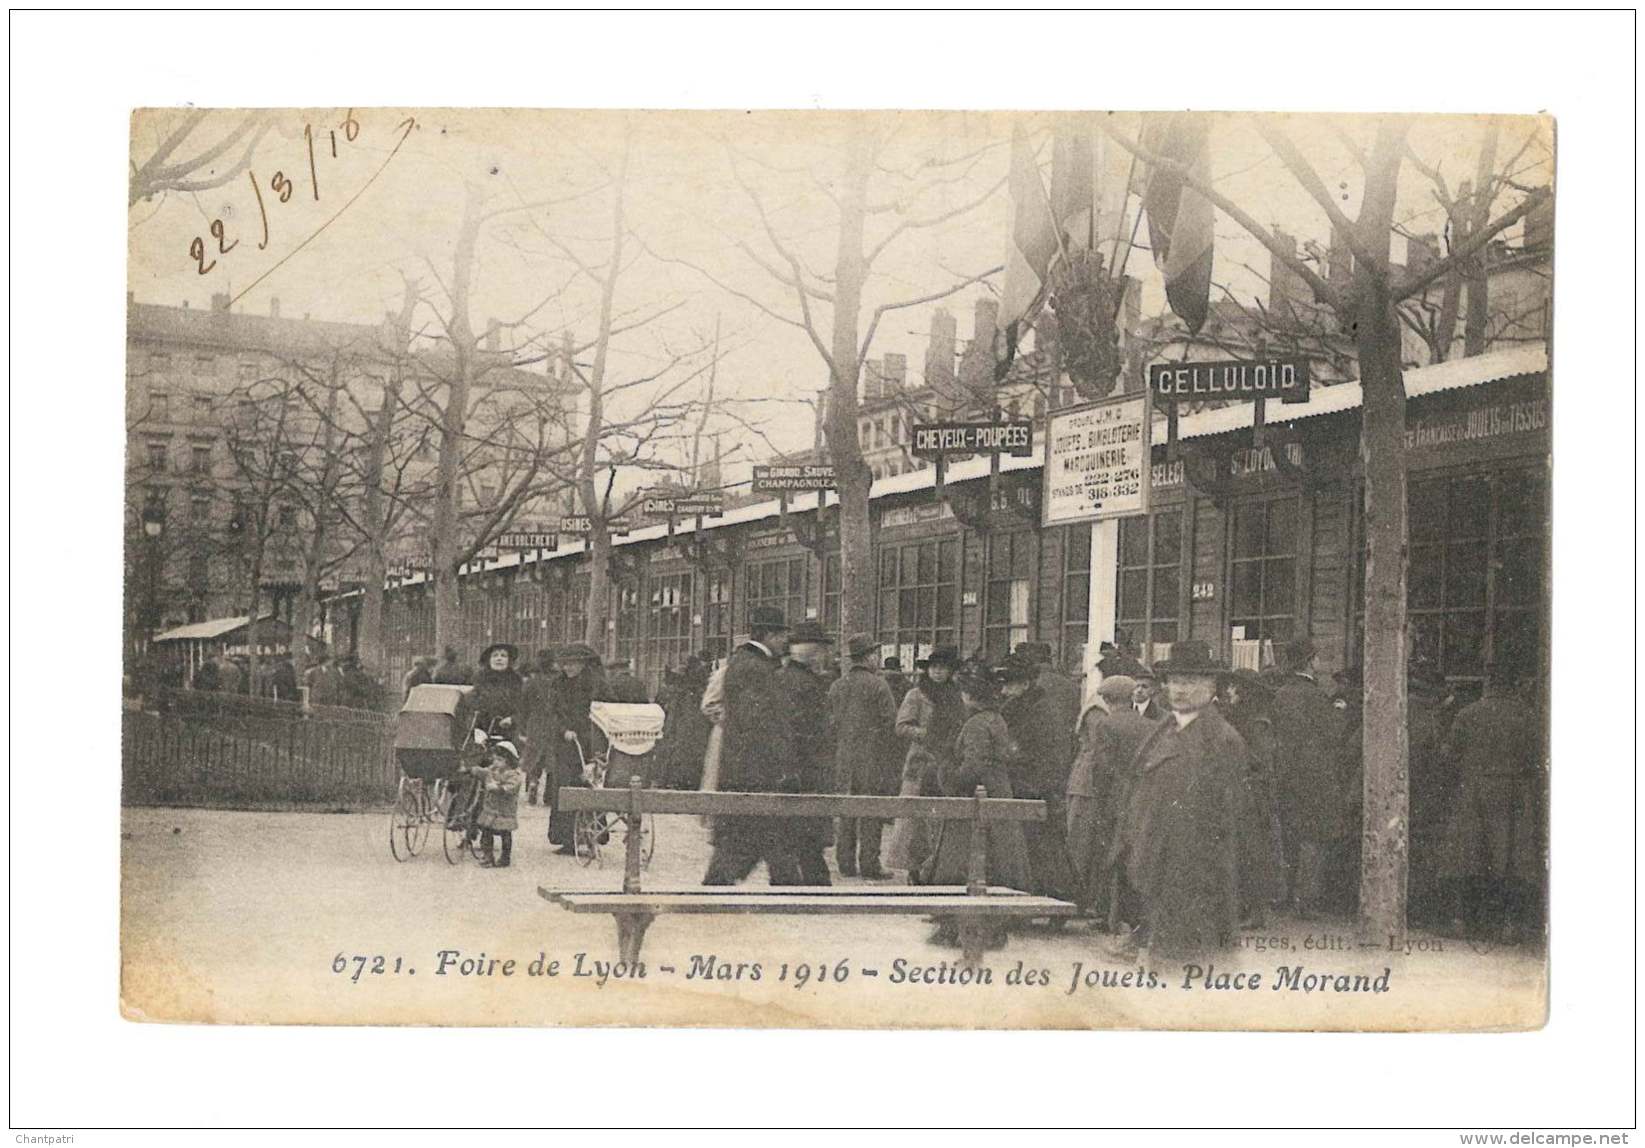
(866, 758)
(807, 731)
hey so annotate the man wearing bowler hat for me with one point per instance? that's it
(753, 753)
(866, 760)
(1178, 836)
(805, 725)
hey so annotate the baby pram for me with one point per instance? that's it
(431, 734)
(631, 731)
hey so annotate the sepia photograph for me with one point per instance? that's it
(937, 569)
(759, 574)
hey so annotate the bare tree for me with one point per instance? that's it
(878, 204)
(1366, 305)
(195, 156)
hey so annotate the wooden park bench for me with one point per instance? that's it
(974, 906)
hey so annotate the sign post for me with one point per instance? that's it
(1099, 469)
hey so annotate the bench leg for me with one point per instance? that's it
(631, 929)
(973, 937)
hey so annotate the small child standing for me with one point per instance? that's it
(500, 805)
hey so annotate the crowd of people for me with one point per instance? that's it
(1186, 800)
(330, 681)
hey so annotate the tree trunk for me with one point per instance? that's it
(376, 512)
(447, 545)
(1476, 326)
(251, 624)
(595, 504)
(1385, 830)
(858, 577)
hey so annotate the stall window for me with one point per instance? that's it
(919, 590)
(628, 622)
(567, 611)
(831, 575)
(1009, 591)
(1150, 581)
(717, 615)
(1076, 593)
(668, 636)
(1474, 593)
(1264, 568)
(779, 583)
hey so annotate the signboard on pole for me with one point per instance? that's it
(1097, 462)
(937, 440)
(529, 540)
(1283, 377)
(709, 505)
(580, 524)
(777, 479)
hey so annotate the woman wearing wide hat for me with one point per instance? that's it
(499, 690)
(929, 720)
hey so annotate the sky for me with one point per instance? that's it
(383, 199)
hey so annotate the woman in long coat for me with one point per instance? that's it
(980, 758)
(1042, 735)
(1110, 732)
(499, 690)
(929, 720)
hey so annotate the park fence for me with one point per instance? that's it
(185, 747)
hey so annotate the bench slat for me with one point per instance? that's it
(551, 894)
(615, 800)
(658, 903)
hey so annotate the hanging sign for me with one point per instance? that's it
(789, 479)
(708, 505)
(937, 440)
(1283, 377)
(1097, 462)
(529, 540)
(581, 524)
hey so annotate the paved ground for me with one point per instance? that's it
(241, 916)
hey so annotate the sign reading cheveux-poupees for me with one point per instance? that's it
(1013, 436)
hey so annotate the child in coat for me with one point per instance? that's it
(500, 804)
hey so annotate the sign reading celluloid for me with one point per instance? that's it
(935, 440)
(1283, 377)
(789, 479)
(1097, 461)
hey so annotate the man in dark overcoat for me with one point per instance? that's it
(753, 754)
(1062, 693)
(541, 733)
(1178, 838)
(802, 694)
(866, 760)
(571, 695)
(1494, 856)
(1313, 810)
(1098, 785)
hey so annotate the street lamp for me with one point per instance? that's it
(154, 526)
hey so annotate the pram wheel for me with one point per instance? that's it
(588, 833)
(408, 822)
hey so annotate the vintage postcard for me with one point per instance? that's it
(903, 569)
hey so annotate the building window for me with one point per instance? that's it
(1475, 590)
(1006, 604)
(200, 458)
(831, 576)
(668, 637)
(567, 611)
(919, 596)
(157, 456)
(287, 518)
(1150, 578)
(248, 371)
(1265, 568)
(199, 509)
(160, 405)
(159, 360)
(205, 365)
(717, 615)
(202, 408)
(628, 622)
(780, 584)
(1076, 593)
